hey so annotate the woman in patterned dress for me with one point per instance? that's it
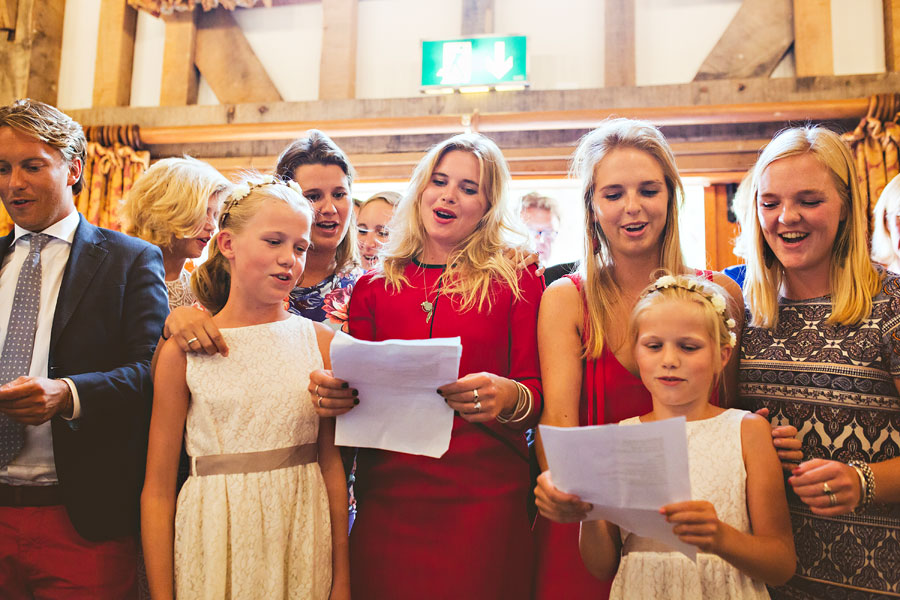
(821, 352)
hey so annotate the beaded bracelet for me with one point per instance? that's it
(867, 479)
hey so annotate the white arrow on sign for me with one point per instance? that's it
(500, 64)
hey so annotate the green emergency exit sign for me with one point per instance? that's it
(474, 62)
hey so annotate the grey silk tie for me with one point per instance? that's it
(19, 345)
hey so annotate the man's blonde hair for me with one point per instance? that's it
(51, 126)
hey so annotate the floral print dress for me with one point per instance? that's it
(327, 301)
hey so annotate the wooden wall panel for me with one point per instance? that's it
(225, 58)
(337, 69)
(813, 46)
(8, 9)
(753, 43)
(619, 48)
(115, 54)
(30, 55)
(720, 232)
(477, 17)
(892, 35)
(180, 77)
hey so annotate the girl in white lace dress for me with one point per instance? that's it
(263, 514)
(738, 516)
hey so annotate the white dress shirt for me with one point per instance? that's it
(35, 464)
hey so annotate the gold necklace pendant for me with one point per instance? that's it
(428, 307)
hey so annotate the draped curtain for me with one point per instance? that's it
(109, 173)
(875, 144)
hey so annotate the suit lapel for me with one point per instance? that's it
(85, 258)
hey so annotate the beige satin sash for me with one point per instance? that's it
(254, 462)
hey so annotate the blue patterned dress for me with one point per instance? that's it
(327, 301)
(835, 384)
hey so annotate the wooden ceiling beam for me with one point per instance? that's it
(813, 45)
(892, 35)
(531, 121)
(31, 54)
(754, 42)
(700, 97)
(179, 76)
(619, 43)
(8, 10)
(227, 61)
(337, 67)
(115, 54)
(477, 17)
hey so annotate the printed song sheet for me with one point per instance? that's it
(399, 408)
(628, 472)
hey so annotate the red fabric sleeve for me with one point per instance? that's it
(524, 364)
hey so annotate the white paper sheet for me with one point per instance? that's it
(399, 407)
(627, 472)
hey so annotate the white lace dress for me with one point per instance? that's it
(649, 571)
(260, 535)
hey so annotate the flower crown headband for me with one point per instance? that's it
(714, 298)
(239, 192)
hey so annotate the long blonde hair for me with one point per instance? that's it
(601, 291)
(211, 281)
(481, 257)
(853, 279)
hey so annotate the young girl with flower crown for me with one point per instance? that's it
(682, 335)
(264, 511)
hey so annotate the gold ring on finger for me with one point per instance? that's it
(477, 406)
(192, 340)
(826, 489)
(832, 499)
(475, 395)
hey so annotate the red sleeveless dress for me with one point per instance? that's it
(609, 394)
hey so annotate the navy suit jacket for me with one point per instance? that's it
(109, 314)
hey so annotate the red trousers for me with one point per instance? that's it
(42, 556)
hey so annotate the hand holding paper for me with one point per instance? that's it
(627, 472)
(400, 409)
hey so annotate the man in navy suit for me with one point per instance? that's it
(69, 495)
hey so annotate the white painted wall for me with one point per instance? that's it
(389, 52)
(79, 55)
(565, 40)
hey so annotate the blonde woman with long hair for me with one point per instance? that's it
(821, 352)
(456, 526)
(631, 191)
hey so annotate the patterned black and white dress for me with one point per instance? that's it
(835, 384)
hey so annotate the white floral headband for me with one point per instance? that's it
(714, 298)
(239, 192)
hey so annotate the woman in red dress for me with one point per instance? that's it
(457, 526)
(631, 190)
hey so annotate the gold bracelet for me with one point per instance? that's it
(528, 406)
(869, 488)
(521, 398)
(505, 419)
